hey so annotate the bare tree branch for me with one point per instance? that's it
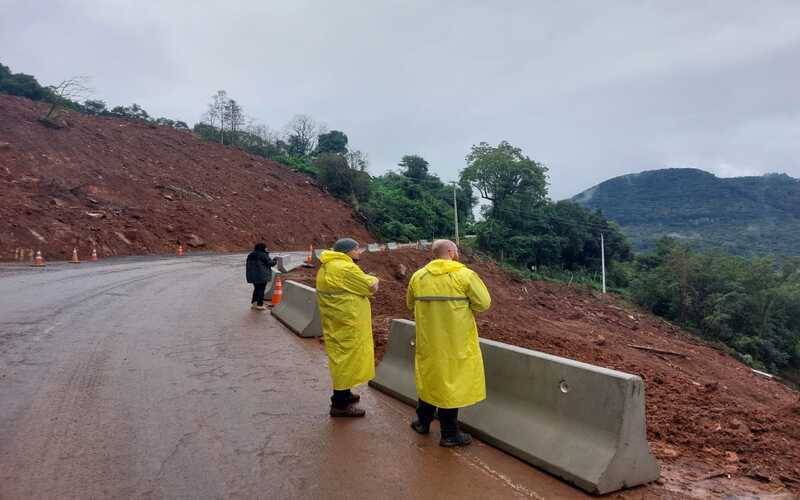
(75, 88)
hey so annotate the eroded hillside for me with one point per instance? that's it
(127, 187)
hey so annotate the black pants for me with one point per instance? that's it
(448, 417)
(258, 293)
(341, 399)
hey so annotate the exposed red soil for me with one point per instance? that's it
(707, 413)
(132, 188)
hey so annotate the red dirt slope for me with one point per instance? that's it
(708, 414)
(132, 188)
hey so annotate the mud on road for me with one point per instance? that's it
(153, 378)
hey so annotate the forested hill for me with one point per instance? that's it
(742, 215)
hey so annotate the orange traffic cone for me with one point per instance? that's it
(277, 293)
(38, 261)
(180, 251)
(94, 255)
(75, 259)
(310, 259)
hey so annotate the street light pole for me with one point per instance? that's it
(603, 259)
(455, 212)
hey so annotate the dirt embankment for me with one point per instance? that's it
(131, 188)
(707, 414)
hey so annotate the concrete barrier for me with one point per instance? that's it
(287, 263)
(271, 287)
(373, 247)
(298, 310)
(582, 423)
(391, 245)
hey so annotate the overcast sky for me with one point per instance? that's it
(591, 89)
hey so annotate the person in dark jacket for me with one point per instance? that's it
(259, 273)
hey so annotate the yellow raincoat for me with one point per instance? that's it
(448, 368)
(343, 292)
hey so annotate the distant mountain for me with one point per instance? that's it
(742, 215)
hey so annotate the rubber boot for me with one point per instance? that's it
(342, 405)
(451, 434)
(425, 414)
(350, 411)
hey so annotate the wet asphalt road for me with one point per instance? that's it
(148, 377)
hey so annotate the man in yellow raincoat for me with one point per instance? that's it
(448, 365)
(343, 292)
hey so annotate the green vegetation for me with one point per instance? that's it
(415, 204)
(22, 85)
(340, 178)
(744, 216)
(406, 206)
(751, 305)
(522, 226)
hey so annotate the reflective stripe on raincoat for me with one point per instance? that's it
(448, 368)
(343, 292)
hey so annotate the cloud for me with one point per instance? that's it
(593, 90)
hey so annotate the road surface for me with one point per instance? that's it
(152, 378)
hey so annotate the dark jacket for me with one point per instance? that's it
(259, 267)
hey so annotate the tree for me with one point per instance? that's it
(415, 204)
(133, 111)
(501, 172)
(414, 167)
(341, 180)
(234, 117)
(216, 113)
(524, 227)
(302, 132)
(357, 160)
(334, 141)
(95, 107)
(176, 124)
(21, 85)
(65, 93)
(466, 203)
(751, 305)
(395, 215)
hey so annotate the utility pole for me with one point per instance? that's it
(455, 212)
(603, 259)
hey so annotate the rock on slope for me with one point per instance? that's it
(132, 188)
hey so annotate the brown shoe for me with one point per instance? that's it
(350, 411)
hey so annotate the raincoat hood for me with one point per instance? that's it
(329, 255)
(441, 266)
